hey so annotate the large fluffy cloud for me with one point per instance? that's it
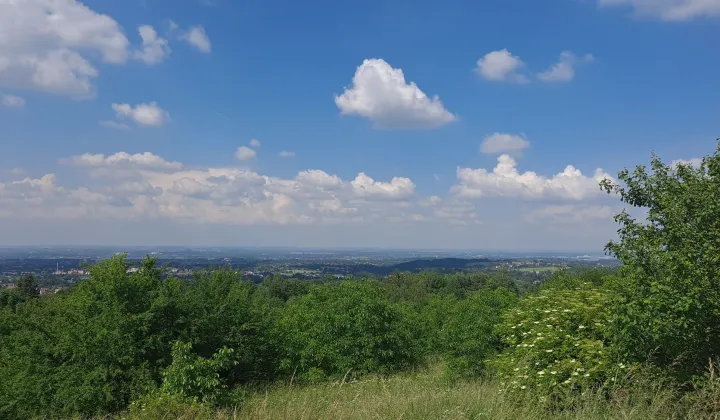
(44, 45)
(380, 93)
(506, 181)
(55, 46)
(397, 188)
(670, 10)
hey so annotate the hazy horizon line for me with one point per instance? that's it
(290, 247)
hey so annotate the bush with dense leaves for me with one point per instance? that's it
(223, 310)
(666, 303)
(467, 335)
(556, 342)
(345, 327)
(91, 351)
(196, 378)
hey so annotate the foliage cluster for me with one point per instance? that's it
(349, 327)
(196, 378)
(557, 343)
(124, 336)
(666, 302)
(468, 336)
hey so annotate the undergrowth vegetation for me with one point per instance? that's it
(642, 342)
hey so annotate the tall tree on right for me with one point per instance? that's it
(666, 305)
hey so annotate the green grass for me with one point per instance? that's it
(430, 395)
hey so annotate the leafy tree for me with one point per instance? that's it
(346, 326)
(667, 304)
(28, 286)
(405, 287)
(468, 334)
(225, 311)
(434, 314)
(90, 351)
(10, 298)
(281, 288)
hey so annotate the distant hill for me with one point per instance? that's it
(440, 263)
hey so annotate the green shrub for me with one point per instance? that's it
(468, 334)
(88, 352)
(196, 378)
(10, 298)
(555, 342)
(345, 327)
(223, 310)
(433, 318)
(666, 305)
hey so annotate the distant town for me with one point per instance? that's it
(59, 268)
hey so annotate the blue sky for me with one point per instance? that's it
(121, 122)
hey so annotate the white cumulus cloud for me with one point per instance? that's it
(318, 178)
(504, 143)
(397, 188)
(380, 93)
(145, 186)
(501, 66)
(154, 48)
(255, 143)
(564, 69)
(11, 101)
(197, 38)
(506, 181)
(45, 45)
(245, 153)
(670, 10)
(144, 114)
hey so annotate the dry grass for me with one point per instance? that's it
(429, 395)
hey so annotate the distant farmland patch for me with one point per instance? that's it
(539, 269)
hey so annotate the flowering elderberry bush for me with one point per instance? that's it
(556, 343)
